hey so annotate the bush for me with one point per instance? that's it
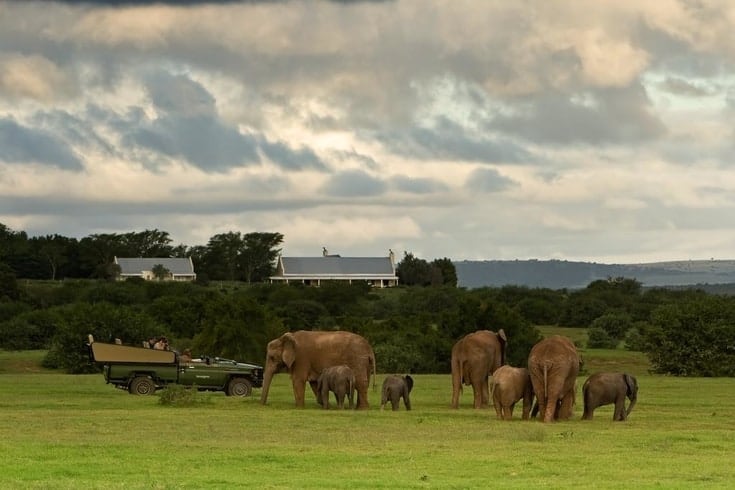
(616, 324)
(182, 396)
(693, 337)
(635, 338)
(600, 339)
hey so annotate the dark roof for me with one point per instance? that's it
(175, 265)
(336, 266)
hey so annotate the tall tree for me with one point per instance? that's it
(223, 255)
(447, 273)
(54, 250)
(148, 243)
(259, 255)
(412, 271)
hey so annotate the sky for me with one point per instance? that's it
(473, 130)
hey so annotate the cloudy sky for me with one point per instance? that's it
(598, 131)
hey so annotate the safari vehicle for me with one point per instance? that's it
(142, 371)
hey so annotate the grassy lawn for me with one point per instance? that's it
(63, 431)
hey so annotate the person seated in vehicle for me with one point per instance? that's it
(162, 344)
(185, 356)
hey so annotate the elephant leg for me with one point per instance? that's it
(567, 406)
(589, 411)
(498, 409)
(325, 397)
(485, 393)
(478, 394)
(619, 414)
(313, 385)
(510, 410)
(299, 388)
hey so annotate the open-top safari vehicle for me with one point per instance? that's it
(142, 371)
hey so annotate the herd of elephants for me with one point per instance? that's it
(343, 362)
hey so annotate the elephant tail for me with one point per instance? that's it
(546, 383)
(375, 368)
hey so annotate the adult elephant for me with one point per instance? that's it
(605, 388)
(474, 358)
(304, 354)
(553, 365)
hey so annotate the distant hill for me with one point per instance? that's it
(561, 274)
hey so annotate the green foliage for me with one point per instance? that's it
(615, 324)
(236, 327)
(693, 338)
(635, 338)
(9, 290)
(304, 314)
(599, 338)
(29, 330)
(160, 272)
(412, 271)
(104, 321)
(443, 272)
(183, 396)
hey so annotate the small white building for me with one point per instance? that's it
(377, 271)
(179, 269)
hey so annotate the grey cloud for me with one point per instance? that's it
(291, 159)
(680, 86)
(488, 180)
(188, 126)
(417, 185)
(608, 116)
(352, 156)
(354, 183)
(449, 141)
(202, 141)
(21, 144)
(180, 95)
(75, 129)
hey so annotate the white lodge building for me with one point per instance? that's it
(379, 272)
(179, 269)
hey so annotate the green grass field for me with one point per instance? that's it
(63, 431)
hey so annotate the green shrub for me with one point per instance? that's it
(600, 339)
(616, 324)
(183, 396)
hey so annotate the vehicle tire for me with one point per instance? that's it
(142, 385)
(239, 387)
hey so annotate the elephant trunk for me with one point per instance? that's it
(267, 378)
(630, 407)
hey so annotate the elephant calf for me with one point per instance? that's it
(395, 387)
(511, 384)
(605, 388)
(341, 381)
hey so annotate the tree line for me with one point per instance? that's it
(412, 328)
(231, 256)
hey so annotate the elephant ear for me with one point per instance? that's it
(503, 340)
(289, 349)
(409, 382)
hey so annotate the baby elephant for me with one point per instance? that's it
(341, 381)
(395, 387)
(511, 384)
(605, 388)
